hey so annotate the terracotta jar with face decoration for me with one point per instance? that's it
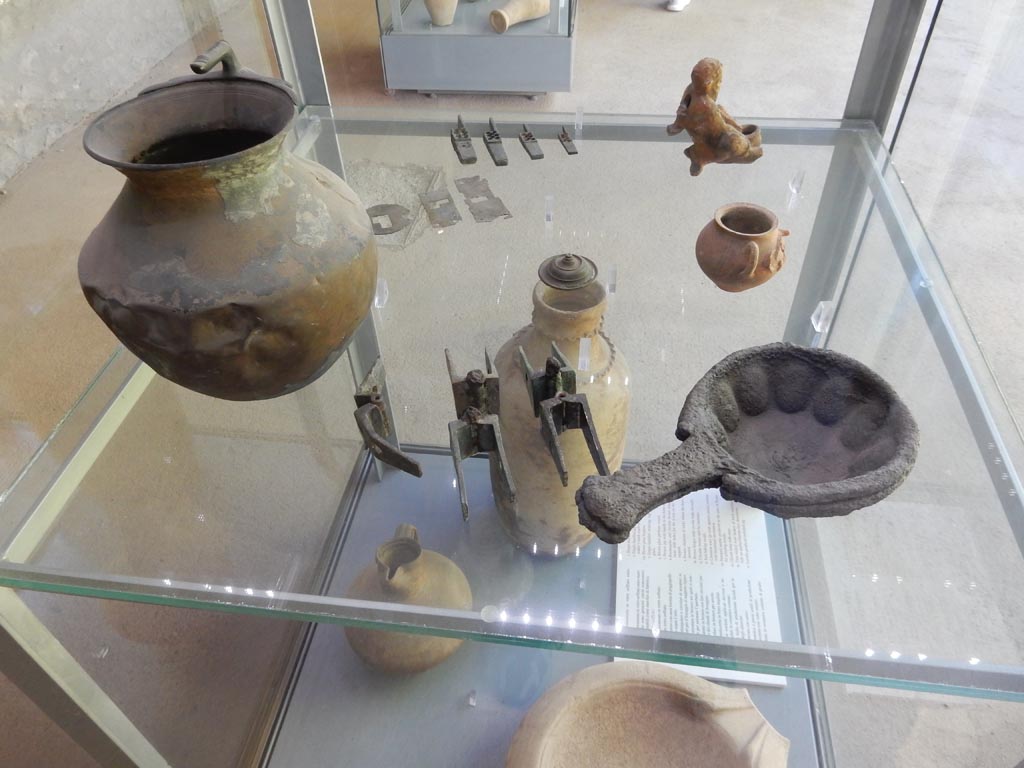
(741, 247)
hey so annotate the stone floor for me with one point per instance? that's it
(957, 152)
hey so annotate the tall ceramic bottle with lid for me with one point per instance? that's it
(569, 305)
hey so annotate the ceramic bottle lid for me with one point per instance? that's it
(567, 272)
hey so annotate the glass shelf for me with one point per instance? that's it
(149, 493)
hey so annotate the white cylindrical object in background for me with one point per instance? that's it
(516, 11)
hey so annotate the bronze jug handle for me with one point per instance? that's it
(222, 53)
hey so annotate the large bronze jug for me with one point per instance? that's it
(229, 265)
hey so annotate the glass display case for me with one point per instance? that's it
(477, 46)
(172, 560)
(272, 508)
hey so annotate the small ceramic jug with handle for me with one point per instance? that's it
(403, 572)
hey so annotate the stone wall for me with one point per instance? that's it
(61, 61)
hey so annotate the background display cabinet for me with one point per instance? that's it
(469, 54)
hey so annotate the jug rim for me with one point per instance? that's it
(768, 219)
(282, 116)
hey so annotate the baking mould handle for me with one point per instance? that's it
(611, 506)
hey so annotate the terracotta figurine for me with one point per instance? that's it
(717, 138)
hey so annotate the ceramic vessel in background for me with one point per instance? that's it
(741, 247)
(517, 11)
(544, 518)
(404, 572)
(229, 265)
(442, 12)
(644, 715)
